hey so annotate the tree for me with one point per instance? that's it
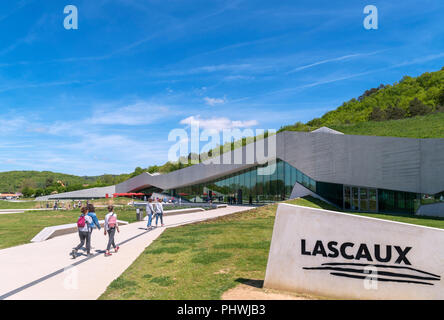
(316, 122)
(395, 113)
(106, 179)
(49, 182)
(368, 93)
(39, 192)
(440, 101)
(440, 108)
(417, 108)
(377, 114)
(28, 192)
(137, 172)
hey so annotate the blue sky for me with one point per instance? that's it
(103, 98)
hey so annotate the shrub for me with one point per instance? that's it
(418, 108)
(440, 101)
(377, 114)
(316, 122)
(395, 113)
(440, 108)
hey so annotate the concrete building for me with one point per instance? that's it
(92, 193)
(359, 173)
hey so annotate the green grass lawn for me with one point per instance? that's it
(21, 205)
(203, 260)
(20, 228)
(200, 261)
(429, 126)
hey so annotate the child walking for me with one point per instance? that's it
(111, 226)
(83, 225)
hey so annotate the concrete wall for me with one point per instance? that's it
(81, 194)
(432, 210)
(301, 260)
(412, 165)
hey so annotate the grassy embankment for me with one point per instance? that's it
(203, 260)
(430, 126)
(21, 205)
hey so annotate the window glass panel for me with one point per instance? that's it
(312, 185)
(253, 181)
(305, 182)
(372, 199)
(347, 203)
(355, 198)
(260, 184)
(363, 192)
(299, 176)
(400, 200)
(266, 191)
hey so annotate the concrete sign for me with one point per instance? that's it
(341, 255)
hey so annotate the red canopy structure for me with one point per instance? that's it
(128, 194)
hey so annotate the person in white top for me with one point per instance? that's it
(149, 212)
(83, 225)
(158, 208)
(111, 226)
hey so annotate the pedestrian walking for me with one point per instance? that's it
(92, 214)
(158, 209)
(149, 213)
(83, 225)
(111, 226)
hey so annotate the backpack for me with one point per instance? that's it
(81, 222)
(112, 221)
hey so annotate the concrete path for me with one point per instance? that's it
(45, 270)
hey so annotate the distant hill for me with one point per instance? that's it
(414, 101)
(12, 181)
(46, 181)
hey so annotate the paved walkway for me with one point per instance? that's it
(45, 270)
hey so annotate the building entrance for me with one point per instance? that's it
(360, 199)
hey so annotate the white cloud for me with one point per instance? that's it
(132, 115)
(218, 124)
(214, 101)
(346, 57)
(12, 124)
(210, 69)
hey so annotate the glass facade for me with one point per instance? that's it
(398, 201)
(331, 191)
(380, 200)
(432, 198)
(260, 184)
(267, 184)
